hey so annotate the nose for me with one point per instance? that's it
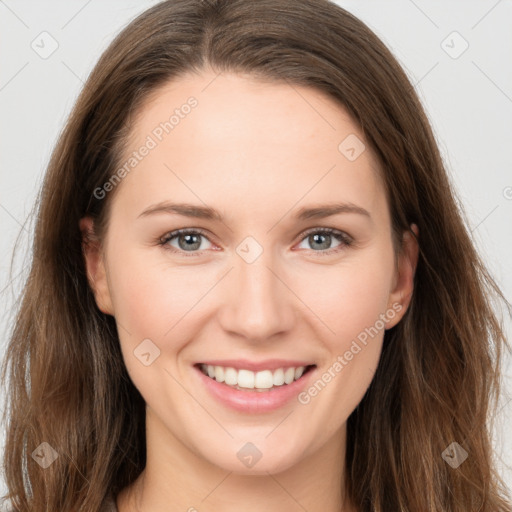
(258, 305)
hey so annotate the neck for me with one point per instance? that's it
(176, 479)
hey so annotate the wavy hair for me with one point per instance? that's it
(438, 378)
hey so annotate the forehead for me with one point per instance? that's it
(232, 138)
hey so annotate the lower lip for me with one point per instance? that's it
(255, 401)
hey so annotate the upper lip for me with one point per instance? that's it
(245, 364)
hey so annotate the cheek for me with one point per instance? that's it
(155, 300)
(354, 315)
(361, 298)
(350, 297)
(352, 303)
(153, 307)
(151, 297)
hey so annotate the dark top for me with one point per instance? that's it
(109, 505)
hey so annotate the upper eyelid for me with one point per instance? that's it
(173, 234)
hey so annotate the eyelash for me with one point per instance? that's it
(345, 239)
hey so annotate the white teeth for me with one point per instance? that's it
(245, 379)
(298, 372)
(230, 376)
(262, 380)
(289, 375)
(219, 374)
(278, 377)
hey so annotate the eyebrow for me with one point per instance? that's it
(206, 212)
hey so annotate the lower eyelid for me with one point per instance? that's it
(164, 241)
(344, 239)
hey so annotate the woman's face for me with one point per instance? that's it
(254, 173)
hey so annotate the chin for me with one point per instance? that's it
(274, 463)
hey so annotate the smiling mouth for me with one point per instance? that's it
(261, 381)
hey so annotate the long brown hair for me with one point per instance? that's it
(438, 377)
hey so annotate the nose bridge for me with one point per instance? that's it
(259, 304)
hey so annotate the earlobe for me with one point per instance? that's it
(95, 266)
(401, 294)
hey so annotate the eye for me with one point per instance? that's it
(191, 241)
(322, 238)
(187, 240)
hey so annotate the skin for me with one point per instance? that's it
(257, 152)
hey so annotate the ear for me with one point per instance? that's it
(403, 285)
(95, 266)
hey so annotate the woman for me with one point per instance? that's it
(253, 281)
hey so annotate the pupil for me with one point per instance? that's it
(191, 241)
(189, 238)
(317, 237)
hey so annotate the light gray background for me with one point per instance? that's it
(468, 98)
